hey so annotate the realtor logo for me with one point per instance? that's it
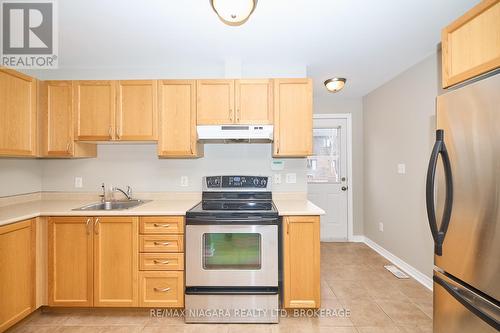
(29, 38)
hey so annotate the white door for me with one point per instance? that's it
(327, 176)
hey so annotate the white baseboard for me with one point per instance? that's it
(407, 268)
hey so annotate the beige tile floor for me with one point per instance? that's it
(353, 278)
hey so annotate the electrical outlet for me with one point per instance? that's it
(381, 227)
(78, 182)
(291, 178)
(184, 181)
(277, 178)
(401, 168)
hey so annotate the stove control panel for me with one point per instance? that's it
(236, 182)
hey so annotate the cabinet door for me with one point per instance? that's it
(17, 114)
(254, 101)
(292, 117)
(301, 258)
(115, 261)
(137, 116)
(55, 102)
(471, 44)
(177, 105)
(17, 272)
(70, 261)
(215, 102)
(94, 110)
(162, 289)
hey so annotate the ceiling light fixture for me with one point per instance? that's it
(335, 84)
(233, 12)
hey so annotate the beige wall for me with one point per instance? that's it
(138, 166)
(19, 176)
(399, 125)
(325, 102)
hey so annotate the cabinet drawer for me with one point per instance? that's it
(161, 225)
(161, 262)
(161, 243)
(161, 289)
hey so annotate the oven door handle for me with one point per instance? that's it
(215, 221)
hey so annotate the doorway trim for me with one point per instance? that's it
(348, 118)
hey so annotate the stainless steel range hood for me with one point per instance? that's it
(235, 133)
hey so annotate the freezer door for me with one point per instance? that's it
(458, 309)
(470, 122)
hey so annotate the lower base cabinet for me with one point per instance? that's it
(17, 272)
(161, 289)
(301, 262)
(93, 261)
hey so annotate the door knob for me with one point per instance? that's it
(344, 188)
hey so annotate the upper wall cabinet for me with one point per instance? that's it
(471, 44)
(225, 102)
(55, 103)
(177, 125)
(292, 117)
(136, 116)
(215, 102)
(254, 101)
(94, 110)
(18, 116)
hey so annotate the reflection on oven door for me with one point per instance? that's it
(231, 255)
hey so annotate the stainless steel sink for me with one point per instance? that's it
(114, 205)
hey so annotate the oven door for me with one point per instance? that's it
(229, 255)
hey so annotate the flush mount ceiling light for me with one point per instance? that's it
(335, 84)
(234, 12)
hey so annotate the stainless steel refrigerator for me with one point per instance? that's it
(463, 207)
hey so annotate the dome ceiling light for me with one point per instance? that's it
(233, 12)
(335, 84)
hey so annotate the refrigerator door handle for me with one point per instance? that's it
(482, 308)
(439, 234)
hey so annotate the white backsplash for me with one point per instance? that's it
(137, 165)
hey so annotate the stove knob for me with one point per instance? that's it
(263, 183)
(256, 181)
(216, 181)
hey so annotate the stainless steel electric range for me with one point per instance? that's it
(232, 252)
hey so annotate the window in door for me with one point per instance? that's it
(324, 165)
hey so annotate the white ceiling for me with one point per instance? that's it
(366, 41)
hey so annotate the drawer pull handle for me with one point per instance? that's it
(164, 262)
(162, 243)
(161, 225)
(162, 290)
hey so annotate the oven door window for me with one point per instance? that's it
(235, 251)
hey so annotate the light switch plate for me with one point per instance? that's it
(291, 178)
(184, 181)
(277, 178)
(401, 168)
(78, 182)
(381, 227)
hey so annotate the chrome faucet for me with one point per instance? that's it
(127, 193)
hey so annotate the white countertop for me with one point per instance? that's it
(20, 208)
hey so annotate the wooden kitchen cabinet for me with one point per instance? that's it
(177, 114)
(471, 44)
(215, 102)
(228, 102)
(115, 261)
(292, 117)
(301, 262)
(94, 108)
(18, 114)
(254, 101)
(17, 272)
(55, 105)
(70, 261)
(136, 113)
(161, 289)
